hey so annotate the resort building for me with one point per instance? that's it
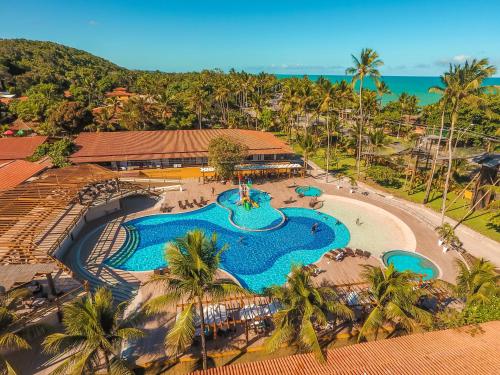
(15, 172)
(171, 148)
(14, 148)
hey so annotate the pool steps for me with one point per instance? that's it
(126, 251)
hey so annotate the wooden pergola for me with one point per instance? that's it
(36, 217)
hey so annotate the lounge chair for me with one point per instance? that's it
(367, 254)
(203, 201)
(188, 204)
(196, 202)
(359, 253)
(181, 206)
(348, 252)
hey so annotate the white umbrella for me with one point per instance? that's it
(212, 314)
(272, 308)
(249, 312)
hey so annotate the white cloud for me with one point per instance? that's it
(92, 22)
(460, 59)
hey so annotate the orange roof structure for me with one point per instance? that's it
(17, 171)
(19, 147)
(163, 144)
(469, 350)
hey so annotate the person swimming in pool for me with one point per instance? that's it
(314, 228)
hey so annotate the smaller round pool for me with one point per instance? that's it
(410, 261)
(309, 191)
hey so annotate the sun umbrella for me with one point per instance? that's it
(272, 308)
(8, 132)
(213, 314)
(250, 312)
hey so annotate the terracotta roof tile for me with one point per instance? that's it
(19, 147)
(15, 172)
(146, 145)
(453, 351)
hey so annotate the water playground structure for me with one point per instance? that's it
(244, 192)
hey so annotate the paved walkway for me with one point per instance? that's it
(475, 243)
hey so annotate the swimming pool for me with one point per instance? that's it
(257, 259)
(263, 217)
(410, 261)
(309, 191)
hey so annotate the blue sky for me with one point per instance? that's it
(413, 37)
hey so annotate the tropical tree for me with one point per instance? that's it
(193, 261)
(309, 145)
(365, 66)
(10, 341)
(94, 331)
(477, 283)
(395, 300)
(447, 235)
(462, 83)
(303, 306)
(197, 100)
(224, 153)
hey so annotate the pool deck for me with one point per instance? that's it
(383, 227)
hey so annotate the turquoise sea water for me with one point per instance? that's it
(418, 86)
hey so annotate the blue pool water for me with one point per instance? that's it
(256, 218)
(256, 258)
(309, 191)
(409, 261)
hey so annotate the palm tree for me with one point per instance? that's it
(365, 66)
(479, 283)
(10, 340)
(447, 235)
(94, 330)
(462, 83)
(303, 305)
(382, 89)
(193, 262)
(197, 100)
(327, 95)
(309, 145)
(395, 300)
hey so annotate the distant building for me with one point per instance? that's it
(171, 148)
(120, 93)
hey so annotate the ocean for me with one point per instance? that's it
(418, 86)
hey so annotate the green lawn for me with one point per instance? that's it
(479, 220)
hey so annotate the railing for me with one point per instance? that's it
(44, 310)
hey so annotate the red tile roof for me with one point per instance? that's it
(147, 145)
(452, 351)
(15, 172)
(19, 147)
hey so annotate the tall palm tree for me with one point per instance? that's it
(309, 146)
(462, 83)
(365, 66)
(304, 305)
(395, 300)
(197, 98)
(94, 330)
(327, 93)
(10, 340)
(193, 261)
(382, 89)
(479, 283)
